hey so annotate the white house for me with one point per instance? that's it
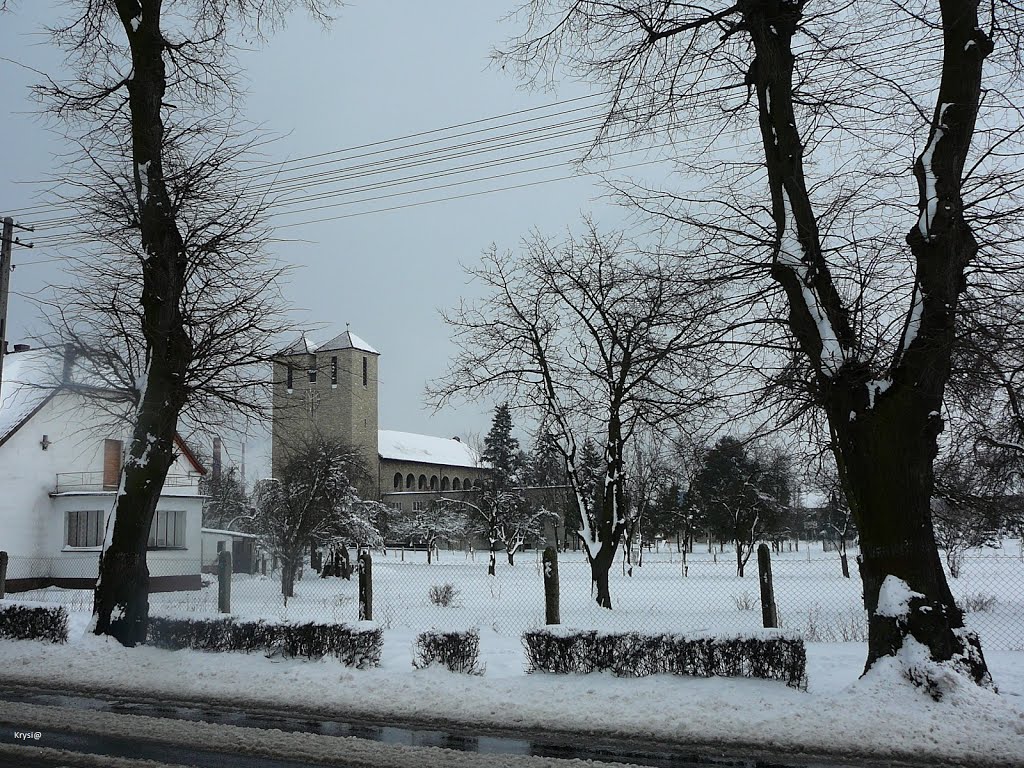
(60, 464)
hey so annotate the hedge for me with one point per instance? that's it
(33, 622)
(770, 655)
(353, 646)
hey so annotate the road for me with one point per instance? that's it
(56, 728)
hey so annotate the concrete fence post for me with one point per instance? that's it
(551, 612)
(365, 566)
(224, 582)
(3, 574)
(769, 612)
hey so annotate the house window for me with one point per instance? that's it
(334, 370)
(409, 481)
(398, 481)
(456, 484)
(112, 450)
(167, 529)
(433, 482)
(84, 528)
(419, 506)
(364, 372)
(288, 383)
(444, 483)
(423, 483)
(395, 505)
(312, 375)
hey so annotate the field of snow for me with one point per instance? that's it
(879, 715)
(811, 594)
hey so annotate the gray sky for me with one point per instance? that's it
(385, 70)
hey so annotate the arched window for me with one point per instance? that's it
(476, 483)
(423, 482)
(444, 483)
(398, 481)
(410, 482)
(433, 482)
(456, 485)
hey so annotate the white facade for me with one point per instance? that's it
(43, 488)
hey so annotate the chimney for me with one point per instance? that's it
(70, 355)
(216, 459)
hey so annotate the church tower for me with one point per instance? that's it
(328, 389)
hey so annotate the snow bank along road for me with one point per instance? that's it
(87, 730)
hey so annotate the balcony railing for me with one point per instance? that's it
(93, 481)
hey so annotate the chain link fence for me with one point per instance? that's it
(665, 593)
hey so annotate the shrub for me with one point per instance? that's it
(354, 647)
(745, 602)
(457, 651)
(771, 655)
(33, 622)
(443, 595)
(979, 602)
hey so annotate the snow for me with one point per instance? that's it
(136, 20)
(931, 198)
(894, 598)
(790, 255)
(881, 715)
(876, 388)
(426, 449)
(345, 340)
(914, 323)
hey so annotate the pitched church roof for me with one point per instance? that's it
(425, 449)
(304, 345)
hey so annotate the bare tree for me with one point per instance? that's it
(798, 126)
(592, 336)
(152, 95)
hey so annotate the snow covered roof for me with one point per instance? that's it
(348, 340)
(304, 345)
(29, 380)
(32, 377)
(424, 449)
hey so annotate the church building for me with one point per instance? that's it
(331, 389)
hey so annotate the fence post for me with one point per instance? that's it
(365, 587)
(551, 586)
(769, 613)
(3, 574)
(224, 582)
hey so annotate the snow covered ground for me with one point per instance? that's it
(878, 715)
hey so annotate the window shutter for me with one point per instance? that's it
(112, 463)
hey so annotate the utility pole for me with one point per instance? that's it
(5, 281)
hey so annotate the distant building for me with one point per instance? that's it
(331, 389)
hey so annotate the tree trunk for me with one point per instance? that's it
(599, 576)
(739, 558)
(121, 603)
(885, 458)
(511, 556)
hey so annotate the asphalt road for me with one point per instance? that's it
(89, 729)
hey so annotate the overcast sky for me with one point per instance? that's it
(384, 70)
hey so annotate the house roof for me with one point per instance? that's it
(30, 379)
(425, 449)
(304, 345)
(33, 377)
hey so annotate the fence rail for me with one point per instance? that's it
(666, 593)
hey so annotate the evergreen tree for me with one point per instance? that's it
(501, 450)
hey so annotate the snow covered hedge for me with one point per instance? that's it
(353, 646)
(771, 654)
(458, 651)
(20, 621)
